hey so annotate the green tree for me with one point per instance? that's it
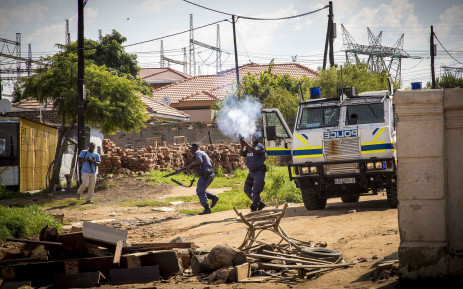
(284, 91)
(447, 81)
(113, 101)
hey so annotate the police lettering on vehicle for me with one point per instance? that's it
(340, 134)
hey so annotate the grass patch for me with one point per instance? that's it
(185, 199)
(278, 186)
(105, 186)
(144, 203)
(17, 222)
(221, 180)
(68, 203)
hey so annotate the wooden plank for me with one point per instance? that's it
(34, 242)
(256, 279)
(15, 284)
(80, 280)
(117, 254)
(103, 233)
(242, 272)
(135, 275)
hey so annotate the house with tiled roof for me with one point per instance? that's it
(195, 95)
(159, 77)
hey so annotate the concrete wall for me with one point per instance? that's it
(430, 183)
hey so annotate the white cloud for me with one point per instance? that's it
(448, 19)
(153, 6)
(21, 14)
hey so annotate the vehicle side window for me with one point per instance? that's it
(273, 120)
(365, 113)
(319, 117)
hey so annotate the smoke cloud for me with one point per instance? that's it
(238, 116)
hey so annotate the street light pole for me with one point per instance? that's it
(236, 55)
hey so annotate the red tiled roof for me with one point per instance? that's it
(194, 88)
(160, 110)
(32, 104)
(163, 74)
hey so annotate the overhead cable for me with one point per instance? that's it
(446, 50)
(178, 33)
(257, 18)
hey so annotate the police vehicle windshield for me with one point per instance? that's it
(317, 117)
(365, 113)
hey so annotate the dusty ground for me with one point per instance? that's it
(370, 233)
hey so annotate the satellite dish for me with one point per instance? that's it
(5, 105)
(166, 100)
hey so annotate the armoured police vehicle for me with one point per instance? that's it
(340, 147)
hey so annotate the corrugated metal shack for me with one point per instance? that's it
(27, 149)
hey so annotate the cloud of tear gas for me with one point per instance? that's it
(238, 116)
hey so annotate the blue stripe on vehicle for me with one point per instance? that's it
(374, 147)
(278, 152)
(376, 129)
(308, 152)
(306, 137)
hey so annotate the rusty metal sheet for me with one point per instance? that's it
(14, 285)
(80, 280)
(135, 275)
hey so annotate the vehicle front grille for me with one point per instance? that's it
(339, 150)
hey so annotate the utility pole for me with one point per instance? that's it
(236, 54)
(218, 59)
(80, 77)
(18, 54)
(29, 61)
(329, 37)
(161, 62)
(433, 54)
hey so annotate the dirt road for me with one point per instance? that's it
(365, 232)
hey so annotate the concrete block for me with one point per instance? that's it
(422, 262)
(420, 138)
(421, 178)
(422, 221)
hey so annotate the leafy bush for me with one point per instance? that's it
(24, 222)
(278, 186)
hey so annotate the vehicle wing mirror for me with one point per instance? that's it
(270, 132)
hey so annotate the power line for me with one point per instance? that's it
(257, 18)
(446, 50)
(174, 34)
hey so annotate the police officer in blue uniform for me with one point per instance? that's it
(255, 181)
(203, 166)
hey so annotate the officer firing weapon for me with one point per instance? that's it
(177, 182)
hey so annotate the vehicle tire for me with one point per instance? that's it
(392, 196)
(321, 253)
(312, 201)
(350, 198)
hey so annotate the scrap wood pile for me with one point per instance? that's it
(95, 255)
(255, 261)
(118, 160)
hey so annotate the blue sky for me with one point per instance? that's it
(42, 24)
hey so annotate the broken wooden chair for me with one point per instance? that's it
(265, 220)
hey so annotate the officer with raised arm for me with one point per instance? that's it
(254, 157)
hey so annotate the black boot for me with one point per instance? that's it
(261, 206)
(206, 211)
(253, 208)
(215, 199)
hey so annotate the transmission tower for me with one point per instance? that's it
(192, 48)
(29, 62)
(100, 34)
(67, 38)
(184, 63)
(456, 72)
(379, 57)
